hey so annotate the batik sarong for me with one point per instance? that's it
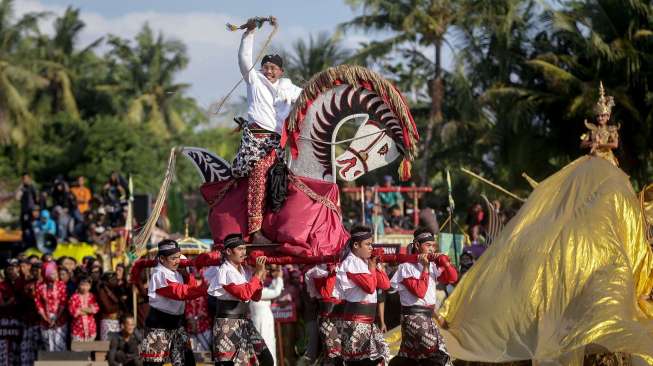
(329, 339)
(362, 341)
(257, 153)
(421, 339)
(165, 345)
(55, 339)
(30, 344)
(237, 340)
(108, 326)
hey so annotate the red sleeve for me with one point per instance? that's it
(325, 285)
(179, 291)
(74, 305)
(382, 280)
(417, 286)
(449, 273)
(246, 291)
(366, 281)
(40, 306)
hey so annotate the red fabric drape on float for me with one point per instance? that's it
(305, 226)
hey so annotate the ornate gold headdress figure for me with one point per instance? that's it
(605, 103)
(601, 139)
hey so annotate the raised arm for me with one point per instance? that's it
(246, 52)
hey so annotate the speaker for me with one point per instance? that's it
(142, 207)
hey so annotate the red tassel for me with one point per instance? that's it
(404, 170)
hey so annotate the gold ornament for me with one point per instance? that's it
(605, 103)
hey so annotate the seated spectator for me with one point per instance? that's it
(83, 307)
(466, 262)
(397, 220)
(378, 221)
(389, 199)
(369, 204)
(82, 195)
(65, 223)
(123, 348)
(44, 228)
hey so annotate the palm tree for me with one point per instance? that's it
(142, 78)
(306, 59)
(17, 81)
(59, 61)
(425, 22)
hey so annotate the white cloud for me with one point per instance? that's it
(213, 68)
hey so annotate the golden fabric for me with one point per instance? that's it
(571, 269)
(602, 134)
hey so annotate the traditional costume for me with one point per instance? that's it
(268, 106)
(31, 337)
(356, 286)
(570, 271)
(51, 300)
(198, 323)
(320, 283)
(262, 316)
(235, 339)
(83, 325)
(165, 337)
(420, 337)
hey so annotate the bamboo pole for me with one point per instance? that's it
(493, 185)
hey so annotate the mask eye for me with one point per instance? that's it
(383, 149)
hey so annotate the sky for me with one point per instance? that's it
(200, 24)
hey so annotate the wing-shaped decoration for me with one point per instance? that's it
(211, 167)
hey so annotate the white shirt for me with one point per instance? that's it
(345, 288)
(160, 278)
(414, 270)
(268, 103)
(228, 274)
(318, 271)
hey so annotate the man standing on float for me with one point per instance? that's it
(269, 100)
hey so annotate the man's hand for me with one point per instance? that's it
(371, 264)
(251, 24)
(423, 259)
(260, 267)
(383, 328)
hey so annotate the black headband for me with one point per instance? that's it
(424, 237)
(275, 59)
(361, 235)
(168, 247)
(231, 242)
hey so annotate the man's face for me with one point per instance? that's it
(171, 261)
(237, 255)
(25, 268)
(27, 179)
(271, 71)
(69, 264)
(363, 249)
(426, 247)
(80, 181)
(128, 325)
(12, 273)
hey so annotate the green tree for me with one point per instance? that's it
(17, 80)
(143, 78)
(306, 58)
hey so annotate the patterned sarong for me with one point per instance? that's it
(330, 339)
(421, 339)
(108, 326)
(55, 339)
(257, 153)
(362, 341)
(236, 340)
(161, 345)
(30, 344)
